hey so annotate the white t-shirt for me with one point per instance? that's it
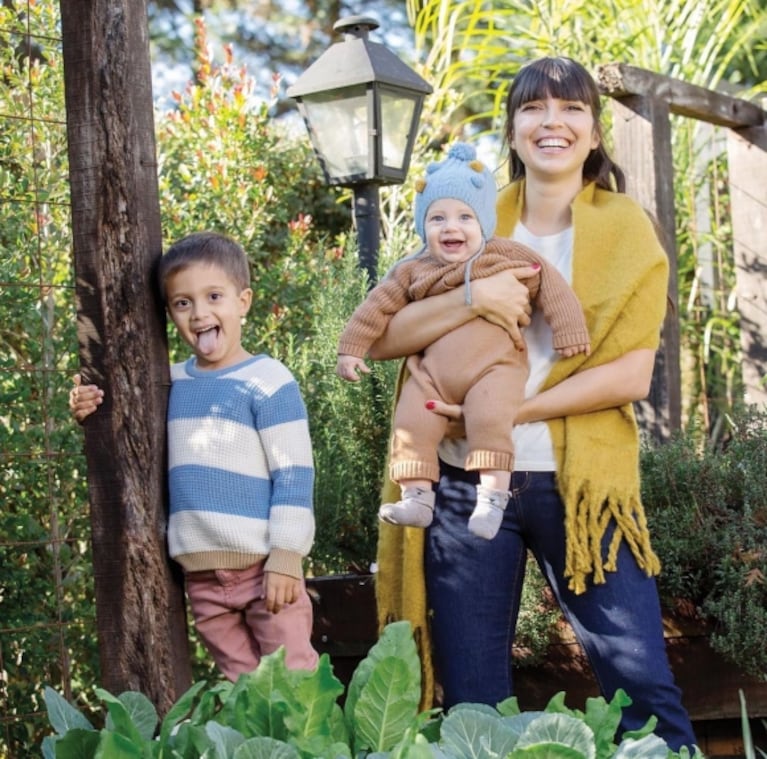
(533, 449)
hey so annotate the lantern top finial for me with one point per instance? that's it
(356, 27)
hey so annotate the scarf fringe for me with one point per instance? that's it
(587, 518)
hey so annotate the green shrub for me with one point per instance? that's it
(225, 165)
(349, 424)
(707, 509)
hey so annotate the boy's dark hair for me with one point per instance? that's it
(206, 248)
(564, 78)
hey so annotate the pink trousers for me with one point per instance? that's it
(231, 618)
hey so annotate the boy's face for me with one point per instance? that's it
(207, 307)
(452, 231)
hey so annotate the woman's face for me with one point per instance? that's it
(553, 137)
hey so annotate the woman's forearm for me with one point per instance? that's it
(420, 323)
(622, 381)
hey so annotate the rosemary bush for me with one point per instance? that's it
(707, 509)
(349, 425)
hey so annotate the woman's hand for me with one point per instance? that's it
(504, 300)
(453, 411)
(501, 299)
(456, 428)
(84, 399)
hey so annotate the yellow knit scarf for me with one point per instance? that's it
(620, 274)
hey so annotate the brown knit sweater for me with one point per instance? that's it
(422, 276)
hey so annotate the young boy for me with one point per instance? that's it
(476, 365)
(240, 470)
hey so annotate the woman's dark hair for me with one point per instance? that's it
(205, 248)
(565, 79)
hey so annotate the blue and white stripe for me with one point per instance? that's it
(241, 473)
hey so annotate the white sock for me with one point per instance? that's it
(415, 509)
(485, 520)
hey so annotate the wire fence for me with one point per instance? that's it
(47, 611)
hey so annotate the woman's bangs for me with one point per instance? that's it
(552, 77)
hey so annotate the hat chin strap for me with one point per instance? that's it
(467, 272)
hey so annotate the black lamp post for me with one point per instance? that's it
(361, 105)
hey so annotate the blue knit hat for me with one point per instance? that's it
(461, 177)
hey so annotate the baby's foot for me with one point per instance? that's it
(485, 520)
(416, 509)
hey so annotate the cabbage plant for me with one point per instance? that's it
(277, 713)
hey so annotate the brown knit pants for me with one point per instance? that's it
(477, 366)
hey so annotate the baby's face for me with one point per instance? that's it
(452, 231)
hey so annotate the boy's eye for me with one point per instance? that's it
(180, 303)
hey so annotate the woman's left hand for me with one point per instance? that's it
(450, 410)
(454, 412)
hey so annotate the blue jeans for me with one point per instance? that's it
(474, 588)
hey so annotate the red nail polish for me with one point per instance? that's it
(430, 405)
(536, 266)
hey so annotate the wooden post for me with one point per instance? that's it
(747, 158)
(642, 146)
(121, 330)
(642, 101)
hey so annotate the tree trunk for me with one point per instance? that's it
(121, 331)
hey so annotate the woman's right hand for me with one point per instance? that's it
(84, 399)
(504, 299)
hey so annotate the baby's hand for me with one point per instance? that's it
(350, 367)
(574, 350)
(84, 399)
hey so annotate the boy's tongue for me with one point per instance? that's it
(206, 341)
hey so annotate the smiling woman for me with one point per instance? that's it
(574, 503)
(552, 137)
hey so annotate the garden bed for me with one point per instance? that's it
(345, 628)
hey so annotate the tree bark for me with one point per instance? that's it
(121, 331)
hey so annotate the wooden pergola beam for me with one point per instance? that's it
(619, 80)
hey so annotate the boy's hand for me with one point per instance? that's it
(84, 399)
(350, 367)
(280, 591)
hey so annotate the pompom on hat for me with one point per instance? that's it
(460, 176)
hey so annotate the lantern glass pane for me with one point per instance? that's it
(397, 115)
(338, 123)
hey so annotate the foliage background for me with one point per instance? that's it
(227, 162)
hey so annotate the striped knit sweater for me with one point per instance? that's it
(240, 468)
